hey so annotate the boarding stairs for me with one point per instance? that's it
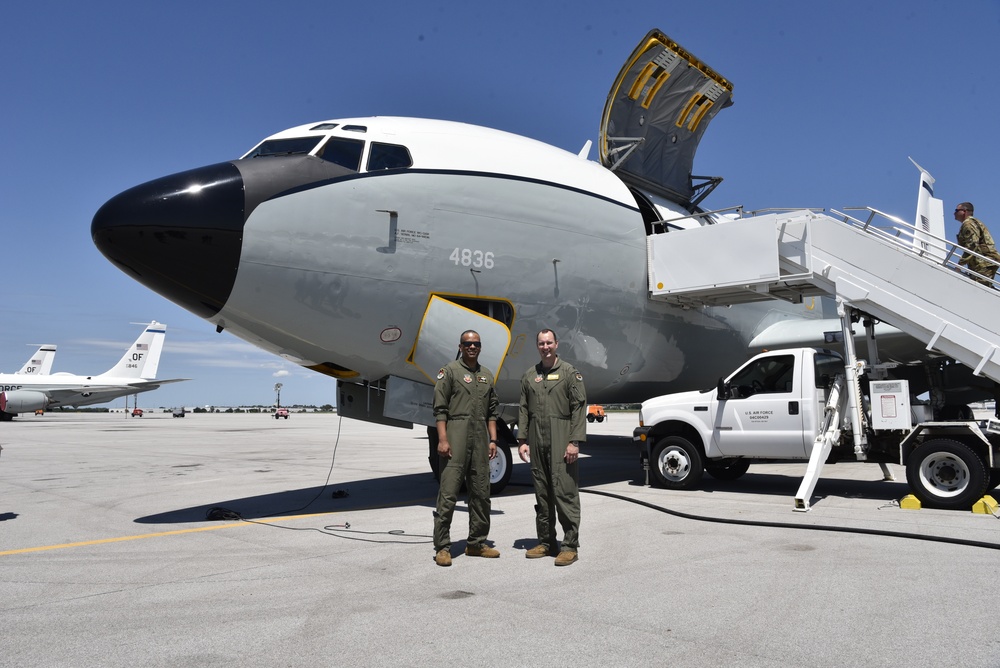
(895, 273)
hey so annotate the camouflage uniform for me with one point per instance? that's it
(465, 399)
(974, 236)
(554, 412)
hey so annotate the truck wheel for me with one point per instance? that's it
(600, 418)
(590, 418)
(943, 473)
(729, 471)
(676, 463)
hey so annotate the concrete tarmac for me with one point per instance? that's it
(107, 557)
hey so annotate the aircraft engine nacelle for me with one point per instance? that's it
(22, 401)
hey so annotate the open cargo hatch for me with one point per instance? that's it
(656, 113)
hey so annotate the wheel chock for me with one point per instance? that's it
(910, 502)
(985, 506)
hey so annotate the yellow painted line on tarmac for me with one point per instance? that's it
(176, 532)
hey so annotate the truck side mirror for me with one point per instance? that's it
(722, 390)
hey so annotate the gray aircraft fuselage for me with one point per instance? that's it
(316, 262)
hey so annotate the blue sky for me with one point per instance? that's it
(830, 99)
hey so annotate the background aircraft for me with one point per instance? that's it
(40, 363)
(134, 373)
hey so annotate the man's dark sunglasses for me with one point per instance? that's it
(472, 344)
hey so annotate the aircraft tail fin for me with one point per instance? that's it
(40, 363)
(930, 216)
(143, 356)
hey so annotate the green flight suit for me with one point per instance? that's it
(974, 236)
(466, 400)
(553, 412)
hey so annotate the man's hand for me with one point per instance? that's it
(572, 453)
(524, 452)
(444, 449)
(493, 450)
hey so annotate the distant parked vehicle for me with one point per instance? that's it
(179, 412)
(595, 412)
(281, 413)
(136, 412)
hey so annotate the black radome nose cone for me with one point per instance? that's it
(180, 235)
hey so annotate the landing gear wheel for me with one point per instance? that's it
(943, 473)
(676, 463)
(433, 458)
(730, 471)
(501, 467)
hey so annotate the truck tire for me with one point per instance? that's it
(600, 418)
(590, 418)
(676, 463)
(728, 471)
(946, 474)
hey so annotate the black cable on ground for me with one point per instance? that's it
(219, 513)
(791, 525)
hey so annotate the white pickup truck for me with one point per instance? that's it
(795, 406)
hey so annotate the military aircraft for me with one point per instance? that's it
(361, 247)
(134, 373)
(40, 363)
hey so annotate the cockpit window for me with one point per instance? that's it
(388, 156)
(344, 152)
(294, 146)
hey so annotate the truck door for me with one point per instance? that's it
(763, 415)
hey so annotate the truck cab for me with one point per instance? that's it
(769, 408)
(806, 405)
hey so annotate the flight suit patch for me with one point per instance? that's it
(482, 379)
(552, 376)
(538, 378)
(467, 378)
(579, 377)
(440, 374)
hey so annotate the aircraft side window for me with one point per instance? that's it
(343, 152)
(388, 156)
(498, 310)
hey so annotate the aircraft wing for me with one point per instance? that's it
(95, 394)
(894, 345)
(656, 113)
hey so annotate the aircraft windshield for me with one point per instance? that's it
(294, 146)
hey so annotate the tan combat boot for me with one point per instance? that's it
(537, 552)
(566, 557)
(442, 558)
(481, 551)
